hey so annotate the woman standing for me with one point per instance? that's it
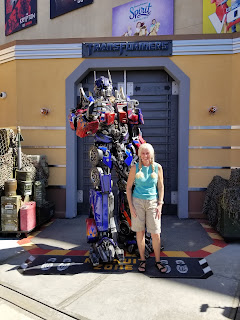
(145, 202)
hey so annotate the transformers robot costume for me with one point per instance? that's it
(114, 122)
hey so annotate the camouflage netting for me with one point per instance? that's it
(8, 159)
(223, 194)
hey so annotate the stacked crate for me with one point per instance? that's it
(10, 213)
(24, 184)
(44, 208)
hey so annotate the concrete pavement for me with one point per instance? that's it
(126, 295)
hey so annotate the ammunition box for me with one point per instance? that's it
(23, 175)
(9, 224)
(39, 193)
(45, 213)
(24, 188)
(10, 206)
(10, 187)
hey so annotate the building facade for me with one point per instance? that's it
(43, 67)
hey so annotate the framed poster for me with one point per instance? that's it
(19, 15)
(221, 16)
(59, 7)
(143, 18)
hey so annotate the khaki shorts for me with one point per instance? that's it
(146, 216)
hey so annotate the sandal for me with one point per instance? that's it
(142, 266)
(160, 267)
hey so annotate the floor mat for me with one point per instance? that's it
(197, 268)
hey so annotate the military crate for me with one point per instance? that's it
(23, 175)
(9, 225)
(45, 213)
(24, 188)
(10, 205)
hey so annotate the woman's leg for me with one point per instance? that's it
(156, 245)
(156, 242)
(141, 243)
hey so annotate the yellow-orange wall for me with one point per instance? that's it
(35, 84)
(30, 86)
(213, 81)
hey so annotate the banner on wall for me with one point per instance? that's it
(221, 16)
(19, 15)
(59, 7)
(143, 18)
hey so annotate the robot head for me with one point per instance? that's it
(103, 86)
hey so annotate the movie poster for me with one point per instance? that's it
(221, 16)
(19, 15)
(143, 18)
(59, 7)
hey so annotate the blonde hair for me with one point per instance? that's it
(149, 147)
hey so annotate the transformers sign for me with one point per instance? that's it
(127, 49)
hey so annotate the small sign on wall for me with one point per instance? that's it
(59, 7)
(19, 15)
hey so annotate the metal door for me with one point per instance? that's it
(153, 89)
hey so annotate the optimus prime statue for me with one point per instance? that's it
(114, 121)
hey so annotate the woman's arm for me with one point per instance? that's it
(160, 185)
(130, 181)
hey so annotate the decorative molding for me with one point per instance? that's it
(42, 128)
(197, 189)
(213, 167)
(215, 147)
(214, 127)
(57, 166)
(41, 51)
(74, 50)
(43, 147)
(54, 186)
(205, 46)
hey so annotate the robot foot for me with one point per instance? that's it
(105, 251)
(94, 258)
(120, 254)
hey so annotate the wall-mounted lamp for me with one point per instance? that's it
(45, 111)
(213, 109)
(3, 95)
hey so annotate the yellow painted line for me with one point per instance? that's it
(58, 252)
(215, 236)
(29, 246)
(127, 254)
(34, 234)
(211, 248)
(205, 225)
(175, 254)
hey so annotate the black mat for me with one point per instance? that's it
(197, 268)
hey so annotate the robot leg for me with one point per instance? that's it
(104, 248)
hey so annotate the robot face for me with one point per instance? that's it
(103, 87)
